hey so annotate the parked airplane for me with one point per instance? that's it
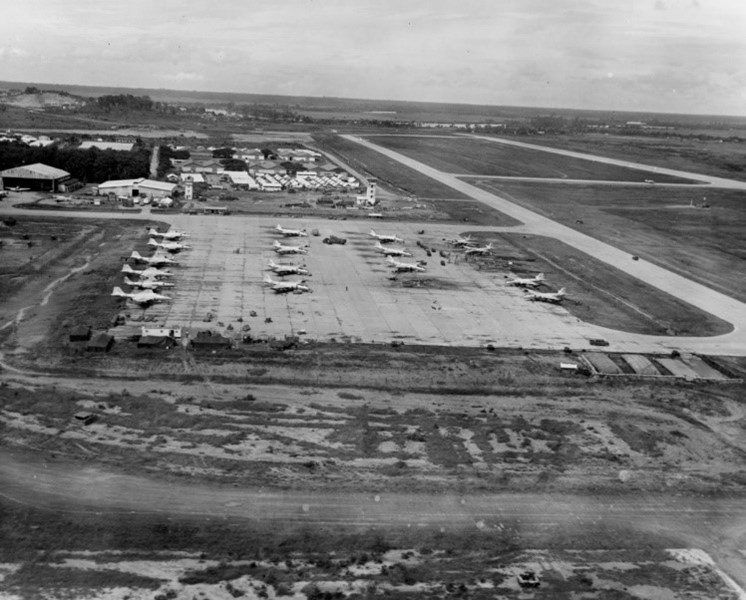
(148, 284)
(282, 249)
(401, 267)
(526, 281)
(149, 273)
(18, 189)
(555, 297)
(478, 250)
(155, 260)
(283, 287)
(291, 232)
(168, 246)
(391, 251)
(167, 235)
(143, 298)
(385, 239)
(460, 242)
(283, 270)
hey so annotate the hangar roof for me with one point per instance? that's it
(35, 171)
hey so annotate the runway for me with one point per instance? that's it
(720, 305)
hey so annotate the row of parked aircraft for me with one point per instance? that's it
(153, 277)
(283, 270)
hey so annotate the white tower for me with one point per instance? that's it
(370, 195)
(188, 189)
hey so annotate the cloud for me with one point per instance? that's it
(182, 76)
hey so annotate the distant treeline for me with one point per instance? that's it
(89, 166)
(123, 102)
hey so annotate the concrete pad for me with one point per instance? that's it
(702, 369)
(602, 363)
(640, 364)
(354, 297)
(678, 368)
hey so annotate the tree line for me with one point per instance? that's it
(89, 166)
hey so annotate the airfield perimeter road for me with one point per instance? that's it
(717, 525)
(720, 305)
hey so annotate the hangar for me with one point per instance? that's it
(38, 177)
(137, 187)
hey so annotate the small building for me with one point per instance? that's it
(210, 340)
(156, 341)
(101, 342)
(85, 418)
(193, 177)
(242, 179)
(101, 145)
(215, 210)
(80, 333)
(121, 187)
(174, 332)
(37, 177)
(201, 166)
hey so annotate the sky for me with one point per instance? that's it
(680, 56)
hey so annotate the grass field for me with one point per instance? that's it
(711, 157)
(704, 244)
(88, 555)
(389, 172)
(597, 293)
(481, 157)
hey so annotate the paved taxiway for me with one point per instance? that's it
(720, 305)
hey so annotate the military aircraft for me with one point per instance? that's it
(143, 298)
(478, 250)
(284, 287)
(148, 284)
(526, 281)
(167, 235)
(460, 242)
(283, 270)
(555, 297)
(391, 251)
(149, 273)
(385, 239)
(18, 189)
(291, 232)
(401, 267)
(155, 260)
(282, 249)
(168, 246)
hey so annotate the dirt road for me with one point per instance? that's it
(698, 295)
(718, 525)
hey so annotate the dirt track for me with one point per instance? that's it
(716, 525)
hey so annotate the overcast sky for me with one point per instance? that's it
(686, 56)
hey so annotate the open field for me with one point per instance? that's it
(388, 172)
(658, 224)
(721, 158)
(479, 157)
(499, 431)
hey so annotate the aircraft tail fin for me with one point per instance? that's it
(373, 233)
(561, 292)
(135, 254)
(277, 244)
(128, 281)
(268, 280)
(117, 291)
(539, 277)
(152, 242)
(127, 269)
